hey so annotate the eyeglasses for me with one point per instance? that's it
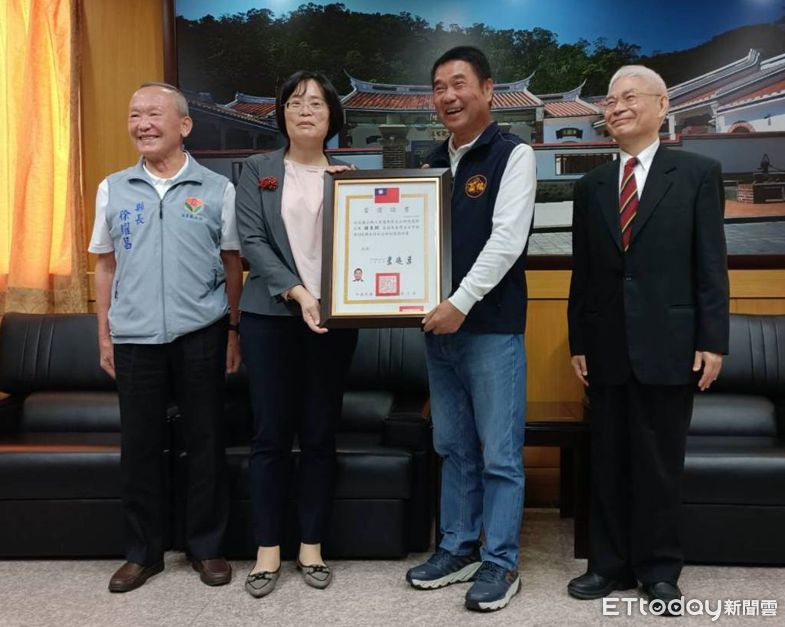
(316, 105)
(630, 99)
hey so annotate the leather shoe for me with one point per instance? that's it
(593, 586)
(665, 592)
(131, 575)
(213, 572)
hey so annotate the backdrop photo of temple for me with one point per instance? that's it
(745, 97)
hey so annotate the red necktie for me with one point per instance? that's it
(628, 201)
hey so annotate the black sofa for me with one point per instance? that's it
(60, 453)
(59, 441)
(733, 499)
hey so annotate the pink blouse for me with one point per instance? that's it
(301, 209)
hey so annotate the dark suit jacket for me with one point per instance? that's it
(263, 238)
(649, 310)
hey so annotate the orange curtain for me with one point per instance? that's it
(42, 263)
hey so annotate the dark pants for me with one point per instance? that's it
(638, 437)
(190, 369)
(296, 382)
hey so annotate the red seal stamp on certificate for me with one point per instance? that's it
(388, 284)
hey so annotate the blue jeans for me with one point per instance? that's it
(478, 401)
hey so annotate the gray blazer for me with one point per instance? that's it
(263, 239)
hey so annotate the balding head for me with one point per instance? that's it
(181, 103)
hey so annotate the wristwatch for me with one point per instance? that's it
(234, 327)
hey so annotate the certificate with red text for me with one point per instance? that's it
(386, 246)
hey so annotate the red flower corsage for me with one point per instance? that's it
(268, 183)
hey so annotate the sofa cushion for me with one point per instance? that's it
(755, 363)
(369, 470)
(733, 415)
(365, 411)
(60, 466)
(50, 352)
(389, 359)
(366, 469)
(71, 412)
(734, 470)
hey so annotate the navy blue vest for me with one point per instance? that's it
(475, 186)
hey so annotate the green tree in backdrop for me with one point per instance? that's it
(252, 52)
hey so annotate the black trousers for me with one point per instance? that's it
(190, 369)
(296, 380)
(638, 438)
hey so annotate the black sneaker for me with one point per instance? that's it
(442, 569)
(493, 588)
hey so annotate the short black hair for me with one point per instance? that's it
(473, 56)
(331, 97)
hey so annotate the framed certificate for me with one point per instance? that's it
(386, 246)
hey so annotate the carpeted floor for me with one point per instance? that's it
(65, 593)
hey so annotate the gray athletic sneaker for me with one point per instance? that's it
(442, 569)
(493, 588)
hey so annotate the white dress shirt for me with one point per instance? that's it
(642, 168)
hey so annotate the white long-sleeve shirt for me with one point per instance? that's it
(512, 219)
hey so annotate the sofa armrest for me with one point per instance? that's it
(10, 413)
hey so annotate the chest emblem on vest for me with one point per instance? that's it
(194, 204)
(476, 185)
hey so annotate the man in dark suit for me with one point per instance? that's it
(648, 319)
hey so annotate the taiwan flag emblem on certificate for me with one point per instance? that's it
(386, 194)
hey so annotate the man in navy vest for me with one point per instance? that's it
(474, 339)
(168, 255)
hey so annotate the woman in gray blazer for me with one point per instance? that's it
(296, 369)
